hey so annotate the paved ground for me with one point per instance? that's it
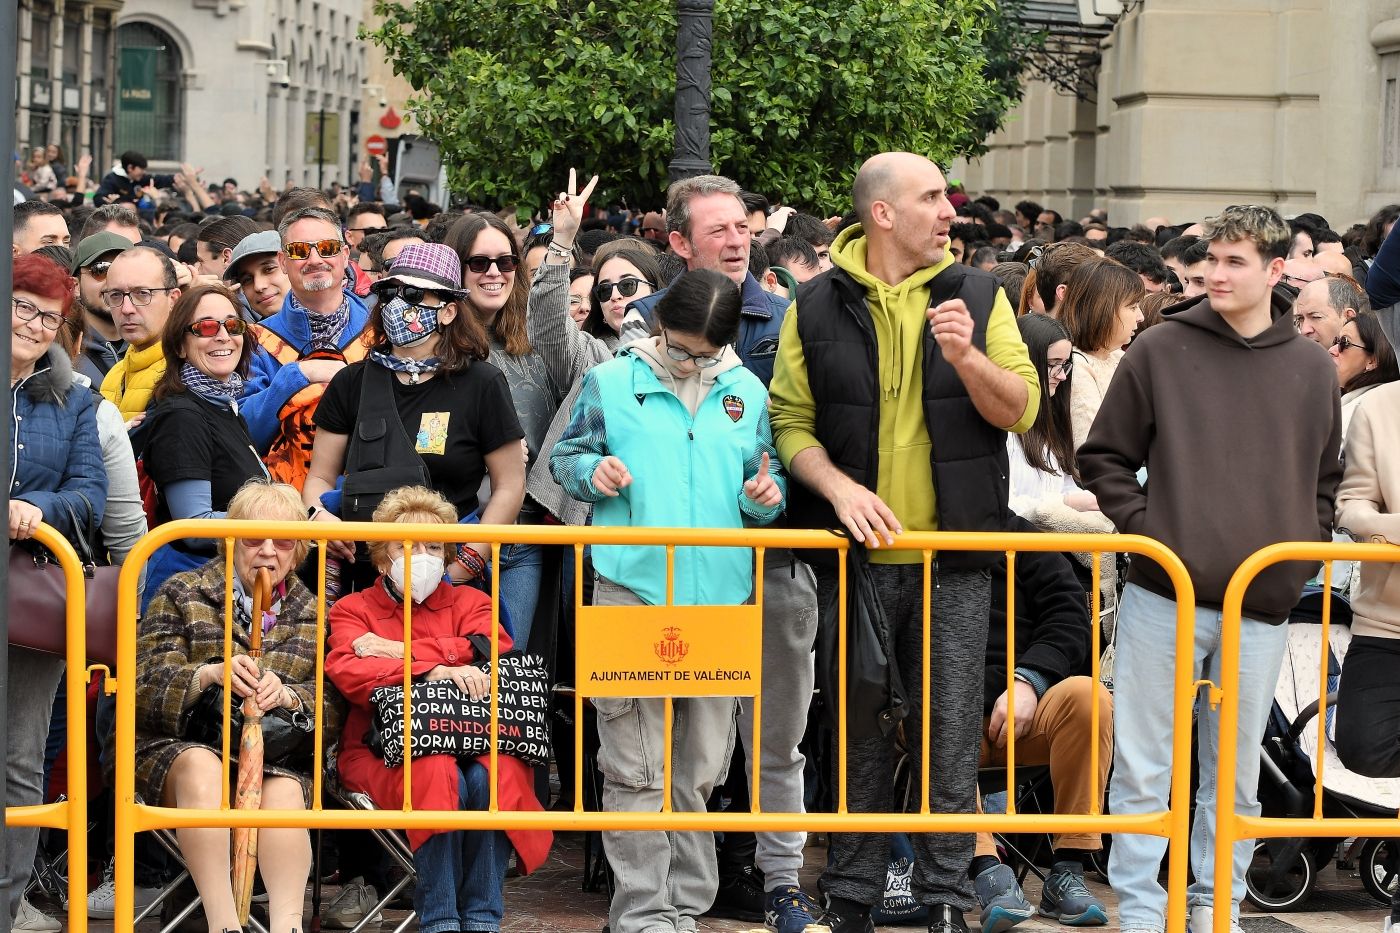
(552, 901)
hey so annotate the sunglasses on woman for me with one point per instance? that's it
(411, 294)
(479, 264)
(234, 327)
(1345, 343)
(300, 250)
(254, 544)
(627, 285)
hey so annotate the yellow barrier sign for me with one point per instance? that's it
(677, 651)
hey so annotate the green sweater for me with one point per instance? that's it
(905, 480)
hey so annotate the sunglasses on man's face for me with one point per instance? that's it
(98, 270)
(234, 327)
(300, 250)
(479, 264)
(627, 285)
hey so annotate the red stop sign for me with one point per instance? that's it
(376, 145)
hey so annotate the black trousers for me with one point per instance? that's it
(1368, 708)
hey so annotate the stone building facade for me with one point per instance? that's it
(1194, 104)
(242, 88)
(66, 79)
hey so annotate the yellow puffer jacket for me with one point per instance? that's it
(130, 383)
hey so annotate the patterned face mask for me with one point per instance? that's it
(408, 325)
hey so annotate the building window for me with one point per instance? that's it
(150, 106)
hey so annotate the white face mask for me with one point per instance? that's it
(427, 575)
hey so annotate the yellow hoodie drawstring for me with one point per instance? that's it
(893, 369)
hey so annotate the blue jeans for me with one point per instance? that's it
(462, 875)
(521, 566)
(1142, 727)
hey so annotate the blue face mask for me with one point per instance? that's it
(408, 325)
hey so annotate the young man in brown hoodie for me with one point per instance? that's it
(1236, 417)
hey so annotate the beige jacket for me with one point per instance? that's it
(1087, 389)
(1368, 507)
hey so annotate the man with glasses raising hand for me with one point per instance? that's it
(302, 346)
(140, 291)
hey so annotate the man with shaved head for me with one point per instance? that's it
(898, 376)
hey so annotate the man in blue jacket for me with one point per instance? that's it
(304, 345)
(708, 227)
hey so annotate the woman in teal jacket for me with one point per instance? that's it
(672, 433)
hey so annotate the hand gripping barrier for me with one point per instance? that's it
(649, 643)
(70, 814)
(1231, 827)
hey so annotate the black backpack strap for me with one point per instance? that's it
(379, 438)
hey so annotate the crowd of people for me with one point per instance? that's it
(924, 362)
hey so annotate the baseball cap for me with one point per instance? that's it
(254, 244)
(431, 266)
(98, 245)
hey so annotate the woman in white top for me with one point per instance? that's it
(1043, 471)
(1044, 477)
(1101, 310)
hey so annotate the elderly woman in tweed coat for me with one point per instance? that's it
(180, 649)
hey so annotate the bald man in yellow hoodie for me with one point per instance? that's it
(898, 375)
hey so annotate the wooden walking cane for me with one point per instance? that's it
(250, 761)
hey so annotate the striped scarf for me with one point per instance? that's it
(210, 389)
(327, 330)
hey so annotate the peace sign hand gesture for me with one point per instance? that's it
(569, 208)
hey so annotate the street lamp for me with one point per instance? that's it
(692, 150)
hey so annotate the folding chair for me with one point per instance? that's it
(393, 841)
(167, 840)
(1034, 794)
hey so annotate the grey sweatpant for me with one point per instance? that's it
(664, 881)
(30, 684)
(857, 862)
(789, 628)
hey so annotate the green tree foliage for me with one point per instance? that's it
(518, 91)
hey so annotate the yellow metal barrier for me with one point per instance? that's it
(70, 814)
(741, 626)
(1231, 827)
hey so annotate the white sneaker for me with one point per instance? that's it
(1388, 925)
(350, 906)
(102, 900)
(32, 918)
(1202, 920)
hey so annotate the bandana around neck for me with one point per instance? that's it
(211, 389)
(398, 364)
(326, 329)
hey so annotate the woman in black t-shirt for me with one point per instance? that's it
(194, 444)
(454, 407)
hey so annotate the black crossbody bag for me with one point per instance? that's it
(381, 457)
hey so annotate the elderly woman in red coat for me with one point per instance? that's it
(461, 874)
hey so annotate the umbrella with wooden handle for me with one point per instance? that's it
(250, 761)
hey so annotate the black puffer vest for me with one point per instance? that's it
(968, 455)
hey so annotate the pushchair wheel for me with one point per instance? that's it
(1282, 874)
(1380, 868)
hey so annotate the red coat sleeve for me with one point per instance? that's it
(357, 677)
